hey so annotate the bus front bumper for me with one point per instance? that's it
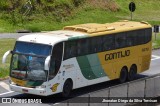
(35, 91)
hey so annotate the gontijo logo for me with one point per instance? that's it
(117, 55)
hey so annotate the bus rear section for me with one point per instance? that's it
(121, 51)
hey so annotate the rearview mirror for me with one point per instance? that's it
(46, 65)
(5, 56)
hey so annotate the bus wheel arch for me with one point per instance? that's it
(67, 87)
(132, 72)
(123, 74)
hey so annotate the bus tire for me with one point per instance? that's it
(67, 88)
(123, 75)
(132, 72)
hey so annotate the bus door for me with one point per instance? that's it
(55, 63)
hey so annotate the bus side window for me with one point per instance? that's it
(95, 45)
(140, 36)
(131, 38)
(73, 49)
(56, 60)
(70, 49)
(148, 35)
(83, 47)
(120, 40)
(108, 42)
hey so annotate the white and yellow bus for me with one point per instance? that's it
(78, 56)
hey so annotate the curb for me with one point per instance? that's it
(1, 79)
(155, 48)
(23, 31)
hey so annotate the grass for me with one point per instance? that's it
(146, 11)
(7, 27)
(85, 13)
(156, 41)
(5, 45)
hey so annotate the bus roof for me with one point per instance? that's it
(50, 38)
(94, 29)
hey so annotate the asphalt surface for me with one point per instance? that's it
(56, 99)
(12, 35)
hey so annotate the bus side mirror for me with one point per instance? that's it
(46, 64)
(5, 56)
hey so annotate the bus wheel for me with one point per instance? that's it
(67, 88)
(123, 75)
(132, 72)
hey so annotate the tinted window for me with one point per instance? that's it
(120, 40)
(56, 59)
(95, 45)
(70, 49)
(82, 47)
(108, 42)
(32, 48)
(148, 35)
(140, 36)
(131, 38)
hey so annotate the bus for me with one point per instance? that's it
(80, 55)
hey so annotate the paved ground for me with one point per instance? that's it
(12, 35)
(4, 86)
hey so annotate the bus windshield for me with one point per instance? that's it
(28, 61)
(32, 48)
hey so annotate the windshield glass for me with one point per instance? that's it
(28, 61)
(32, 48)
(28, 67)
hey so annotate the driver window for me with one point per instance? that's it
(56, 59)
